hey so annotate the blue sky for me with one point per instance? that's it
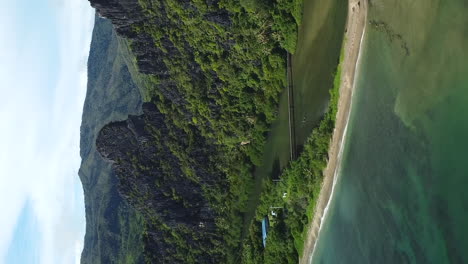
(43, 55)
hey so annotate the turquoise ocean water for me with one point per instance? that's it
(402, 193)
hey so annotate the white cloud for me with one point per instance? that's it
(40, 116)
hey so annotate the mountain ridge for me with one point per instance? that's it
(111, 95)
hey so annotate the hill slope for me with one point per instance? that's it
(210, 73)
(113, 230)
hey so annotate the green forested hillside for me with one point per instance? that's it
(211, 73)
(214, 70)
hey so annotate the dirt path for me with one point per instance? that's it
(355, 26)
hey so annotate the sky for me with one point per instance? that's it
(43, 54)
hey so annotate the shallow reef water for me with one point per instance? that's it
(401, 194)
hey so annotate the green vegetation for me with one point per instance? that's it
(226, 67)
(131, 226)
(216, 79)
(296, 193)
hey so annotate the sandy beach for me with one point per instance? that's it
(355, 28)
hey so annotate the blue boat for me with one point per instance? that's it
(265, 225)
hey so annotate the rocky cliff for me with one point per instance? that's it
(135, 19)
(126, 15)
(211, 73)
(129, 20)
(153, 181)
(148, 172)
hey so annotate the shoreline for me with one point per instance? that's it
(354, 34)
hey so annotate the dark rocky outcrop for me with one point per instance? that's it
(129, 21)
(147, 174)
(163, 169)
(127, 16)
(220, 17)
(144, 151)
